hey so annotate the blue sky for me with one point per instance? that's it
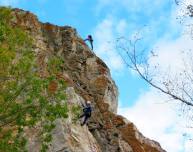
(107, 20)
(85, 15)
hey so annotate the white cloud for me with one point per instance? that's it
(159, 120)
(148, 5)
(133, 6)
(170, 53)
(174, 64)
(155, 118)
(121, 27)
(8, 2)
(186, 2)
(105, 35)
(111, 27)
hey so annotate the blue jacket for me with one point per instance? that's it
(87, 110)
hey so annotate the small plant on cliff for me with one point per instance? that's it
(77, 110)
(26, 98)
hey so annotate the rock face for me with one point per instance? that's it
(88, 78)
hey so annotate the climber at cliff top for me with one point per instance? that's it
(86, 113)
(89, 38)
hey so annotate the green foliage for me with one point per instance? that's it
(12, 144)
(55, 63)
(26, 98)
(77, 110)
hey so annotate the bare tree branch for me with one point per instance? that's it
(131, 60)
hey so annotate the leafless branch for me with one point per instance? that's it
(132, 62)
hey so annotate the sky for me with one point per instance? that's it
(158, 23)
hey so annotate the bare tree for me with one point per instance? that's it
(178, 85)
(187, 6)
(174, 82)
(185, 15)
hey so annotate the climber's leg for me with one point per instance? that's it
(85, 120)
(82, 115)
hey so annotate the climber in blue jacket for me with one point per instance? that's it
(87, 110)
(89, 38)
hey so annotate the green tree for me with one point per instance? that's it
(26, 98)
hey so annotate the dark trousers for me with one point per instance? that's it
(86, 116)
(91, 44)
(90, 41)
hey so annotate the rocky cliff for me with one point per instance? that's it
(87, 78)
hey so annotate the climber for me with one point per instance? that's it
(89, 38)
(86, 112)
